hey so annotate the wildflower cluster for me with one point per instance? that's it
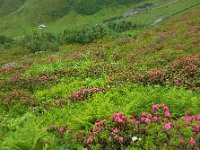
(159, 128)
(85, 93)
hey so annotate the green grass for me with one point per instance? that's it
(27, 19)
(42, 80)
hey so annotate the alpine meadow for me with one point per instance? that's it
(99, 75)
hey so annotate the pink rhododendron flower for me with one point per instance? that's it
(115, 131)
(144, 114)
(167, 114)
(100, 123)
(181, 139)
(137, 122)
(162, 105)
(93, 132)
(99, 129)
(85, 148)
(192, 141)
(62, 129)
(134, 115)
(166, 108)
(183, 118)
(153, 111)
(187, 112)
(89, 140)
(149, 116)
(168, 126)
(53, 126)
(147, 120)
(198, 117)
(155, 118)
(197, 129)
(155, 107)
(189, 118)
(119, 118)
(121, 139)
(143, 119)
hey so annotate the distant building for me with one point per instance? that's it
(41, 27)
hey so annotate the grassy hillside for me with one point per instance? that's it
(58, 15)
(10, 6)
(55, 100)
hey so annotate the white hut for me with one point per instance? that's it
(41, 27)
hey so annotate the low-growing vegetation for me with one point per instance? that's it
(95, 89)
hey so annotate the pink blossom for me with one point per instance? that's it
(100, 123)
(149, 116)
(155, 118)
(53, 126)
(183, 118)
(115, 131)
(181, 139)
(99, 129)
(93, 132)
(197, 129)
(192, 141)
(147, 120)
(143, 119)
(167, 126)
(119, 118)
(166, 108)
(167, 114)
(144, 114)
(162, 105)
(137, 122)
(89, 140)
(85, 148)
(62, 129)
(134, 115)
(153, 111)
(187, 112)
(188, 119)
(198, 117)
(121, 139)
(156, 106)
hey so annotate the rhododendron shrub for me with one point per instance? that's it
(157, 129)
(185, 71)
(181, 72)
(84, 93)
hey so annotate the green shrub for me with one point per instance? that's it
(86, 34)
(5, 42)
(121, 26)
(36, 42)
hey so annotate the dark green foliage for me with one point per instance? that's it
(5, 42)
(121, 26)
(86, 34)
(126, 1)
(86, 6)
(36, 42)
(112, 19)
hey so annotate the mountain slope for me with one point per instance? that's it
(44, 92)
(20, 16)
